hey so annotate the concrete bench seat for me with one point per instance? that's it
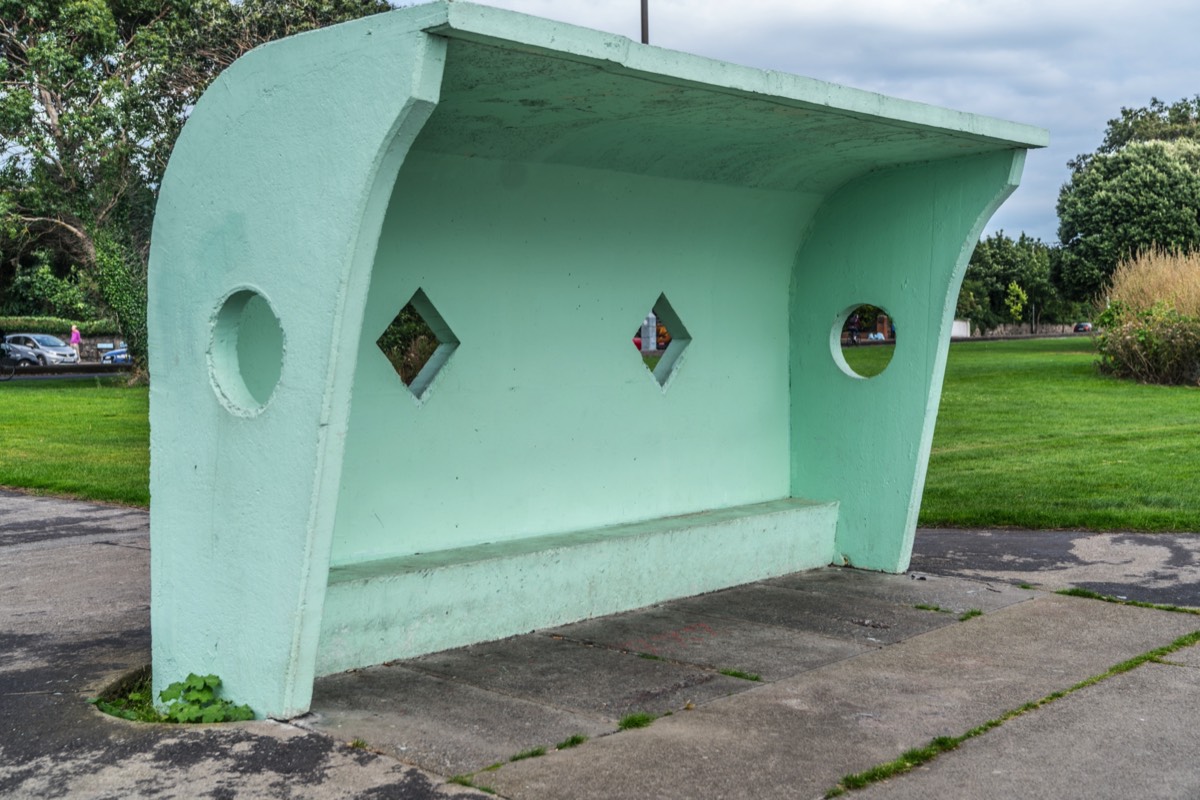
(470, 594)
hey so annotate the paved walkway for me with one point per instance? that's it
(852, 673)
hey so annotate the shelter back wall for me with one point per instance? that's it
(545, 413)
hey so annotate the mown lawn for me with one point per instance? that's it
(80, 438)
(1029, 435)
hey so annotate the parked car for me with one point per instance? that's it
(118, 356)
(49, 349)
(1083, 327)
(20, 356)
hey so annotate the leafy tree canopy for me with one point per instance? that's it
(1144, 195)
(997, 263)
(1155, 122)
(93, 94)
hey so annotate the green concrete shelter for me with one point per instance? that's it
(533, 190)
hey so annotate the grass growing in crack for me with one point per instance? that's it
(532, 752)
(358, 744)
(131, 699)
(638, 719)
(1026, 586)
(468, 781)
(493, 767)
(968, 614)
(943, 744)
(1089, 594)
(651, 657)
(737, 673)
(924, 607)
(571, 741)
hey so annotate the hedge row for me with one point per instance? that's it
(58, 327)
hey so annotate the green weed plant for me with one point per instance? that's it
(195, 699)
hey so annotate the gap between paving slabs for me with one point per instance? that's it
(477, 779)
(919, 756)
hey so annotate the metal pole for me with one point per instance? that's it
(645, 21)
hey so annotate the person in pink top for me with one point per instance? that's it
(76, 340)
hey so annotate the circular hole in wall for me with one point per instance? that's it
(246, 355)
(864, 340)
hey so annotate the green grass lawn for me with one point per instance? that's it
(1029, 435)
(869, 360)
(81, 438)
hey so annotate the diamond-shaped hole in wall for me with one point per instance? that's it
(661, 339)
(418, 343)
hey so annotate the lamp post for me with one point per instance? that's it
(645, 22)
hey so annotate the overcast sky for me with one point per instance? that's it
(1064, 65)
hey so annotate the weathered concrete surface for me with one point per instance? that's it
(797, 737)
(1106, 742)
(674, 634)
(73, 578)
(1152, 568)
(528, 691)
(75, 616)
(441, 725)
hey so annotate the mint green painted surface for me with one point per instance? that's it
(542, 186)
(449, 597)
(866, 441)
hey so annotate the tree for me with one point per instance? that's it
(93, 94)
(1015, 299)
(1156, 122)
(1144, 195)
(999, 261)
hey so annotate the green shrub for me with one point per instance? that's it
(37, 290)
(1151, 328)
(1156, 345)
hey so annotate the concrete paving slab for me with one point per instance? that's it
(956, 595)
(565, 674)
(440, 725)
(797, 737)
(717, 643)
(1188, 656)
(1149, 567)
(1105, 742)
(74, 616)
(854, 618)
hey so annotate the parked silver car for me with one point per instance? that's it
(20, 356)
(48, 349)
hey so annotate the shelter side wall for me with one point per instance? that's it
(898, 239)
(545, 418)
(257, 234)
